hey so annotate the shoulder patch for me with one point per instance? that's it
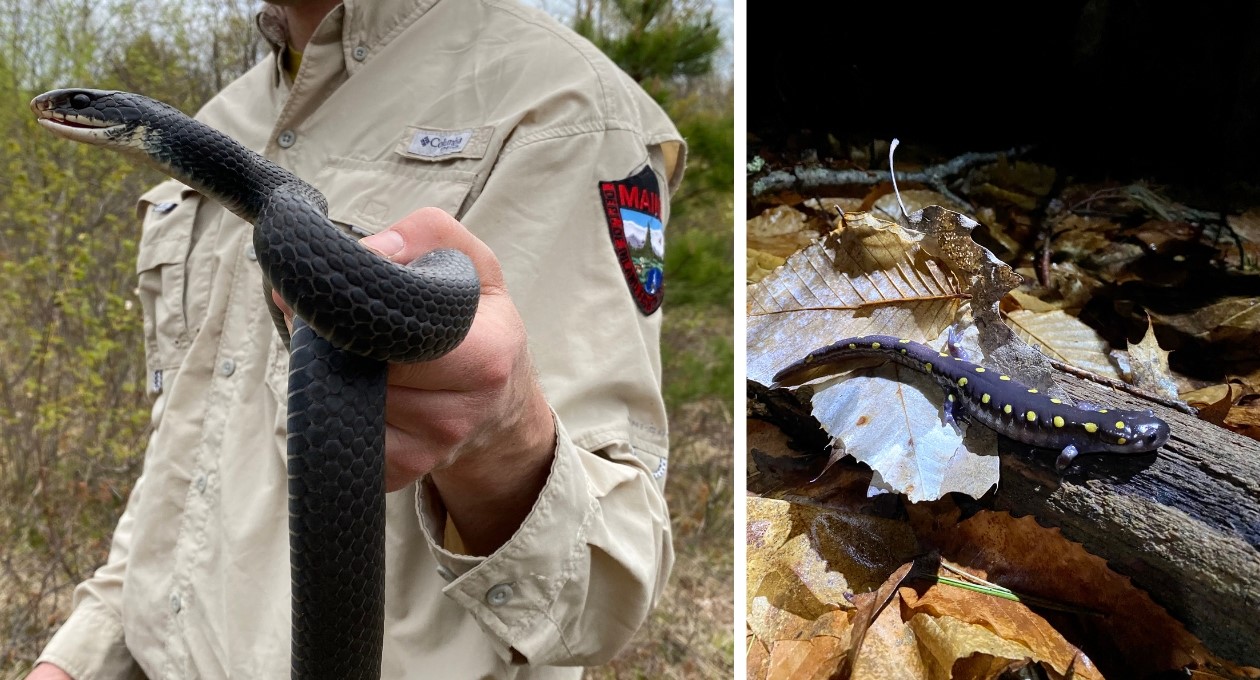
(632, 207)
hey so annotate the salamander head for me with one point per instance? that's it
(1124, 431)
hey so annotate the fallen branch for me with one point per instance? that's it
(935, 176)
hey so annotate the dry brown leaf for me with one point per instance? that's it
(1214, 402)
(809, 560)
(1064, 338)
(1244, 418)
(757, 660)
(889, 649)
(1247, 227)
(760, 264)
(886, 206)
(812, 659)
(1148, 364)
(1232, 320)
(1033, 560)
(777, 471)
(956, 649)
(1008, 620)
(865, 277)
(781, 231)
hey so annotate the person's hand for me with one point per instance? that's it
(47, 671)
(476, 418)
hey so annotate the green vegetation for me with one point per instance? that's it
(73, 413)
(670, 46)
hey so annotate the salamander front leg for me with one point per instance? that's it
(1066, 457)
(954, 413)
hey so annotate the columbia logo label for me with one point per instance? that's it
(435, 143)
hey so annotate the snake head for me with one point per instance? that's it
(99, 117)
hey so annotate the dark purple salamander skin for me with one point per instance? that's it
(1003, 404)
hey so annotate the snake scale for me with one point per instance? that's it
(355, 313)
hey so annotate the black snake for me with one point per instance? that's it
(355, 313)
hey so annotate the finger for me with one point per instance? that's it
(284, 309)
(429, 229)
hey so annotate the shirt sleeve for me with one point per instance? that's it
(583, 571)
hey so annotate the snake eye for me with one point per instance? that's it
(80, 101)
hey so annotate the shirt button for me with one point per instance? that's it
(227, 367)
(359, 53)
(499, 595)
(201, 483)
(446, 574)
(286, 139)
(175, 603)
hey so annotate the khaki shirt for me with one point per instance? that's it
(523, 121)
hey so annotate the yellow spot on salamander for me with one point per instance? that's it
(1122, 441)
(874, 345)
(1031, 416)
(1102, 410)
(942, 354)
(957, 358)
(984, 398)
(979, 369)
(1006, 409)
(1056, 401)
(1004, 377)
(1119, 424)
(1091, 427)
(1033, 391)
(1058, 421)
(950, 396)
(903, 350)
(852, 345)
(809, 358)
(927, 368)
(904, 341)
(962, 382)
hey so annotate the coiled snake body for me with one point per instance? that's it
(355, 313)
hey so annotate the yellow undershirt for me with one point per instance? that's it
(292, 61)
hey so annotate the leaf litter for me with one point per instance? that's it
(1075, 617)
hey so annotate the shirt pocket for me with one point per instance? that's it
(366, 197)
(168, 213)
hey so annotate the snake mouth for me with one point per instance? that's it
(55, 111)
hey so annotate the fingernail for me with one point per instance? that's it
(388, 243)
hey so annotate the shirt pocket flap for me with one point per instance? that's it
(167, 212)
(371, 196)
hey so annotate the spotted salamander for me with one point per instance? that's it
(1001, 403)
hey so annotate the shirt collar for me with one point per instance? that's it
(367, 24)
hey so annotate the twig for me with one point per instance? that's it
(1125, 387)
(935, 176)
